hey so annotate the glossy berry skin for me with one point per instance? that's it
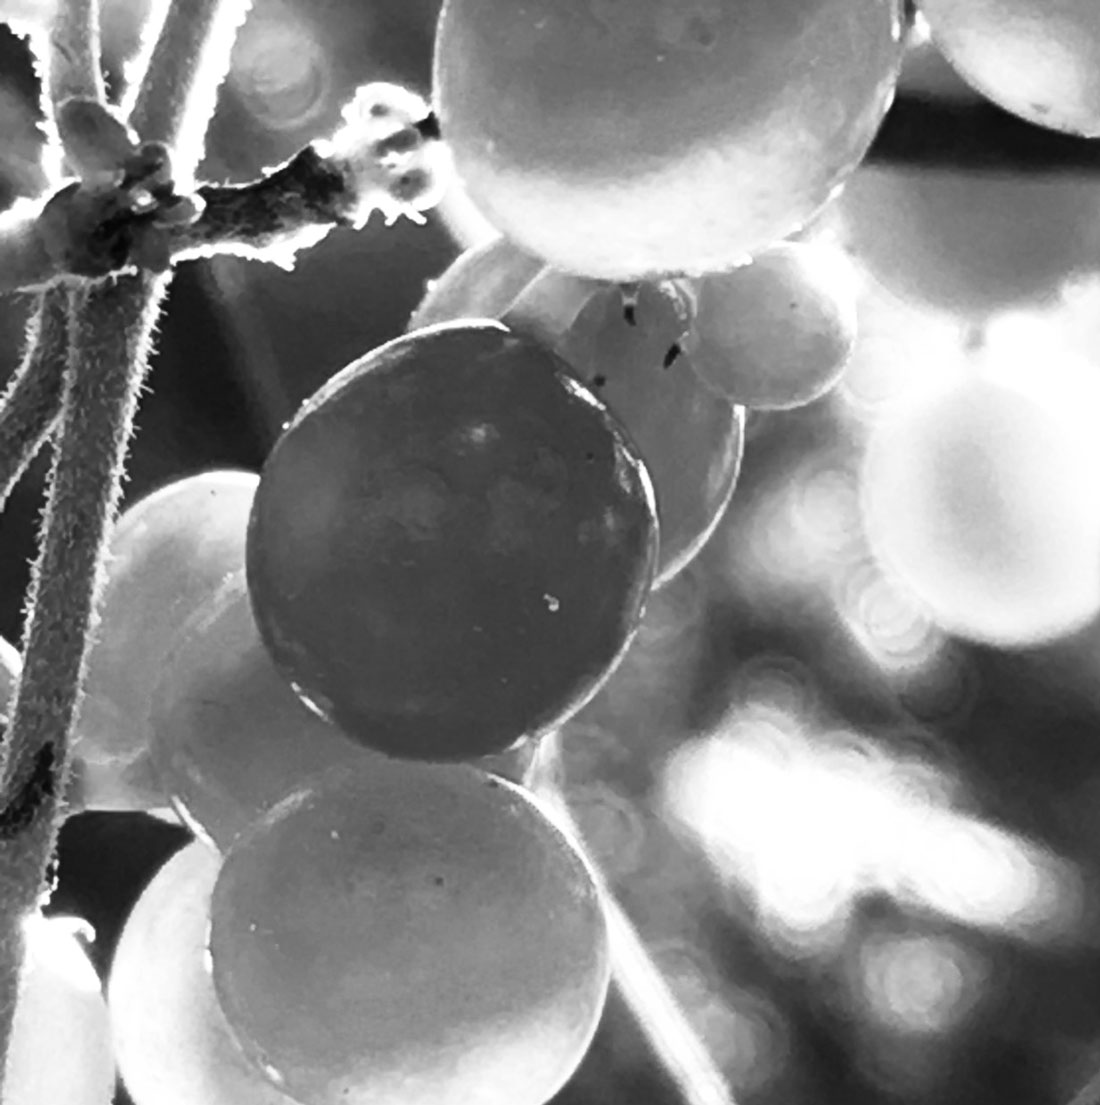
(629, 140)
(481, 283)
(690, 439)
(229, 736)
(1039, 59)
(171, 1040)
(410, 934)
(168, 553)
(451, 544)
(776, 333)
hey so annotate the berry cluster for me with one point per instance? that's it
(339, 672)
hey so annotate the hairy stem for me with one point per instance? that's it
(68, 63)
(110, 331)
(32, 401)
(175, 101)
(73, 68)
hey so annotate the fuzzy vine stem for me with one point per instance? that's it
(30, 405)
(110, 333)
(72, 67)
(69, 67)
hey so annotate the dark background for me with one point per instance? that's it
(241, 345)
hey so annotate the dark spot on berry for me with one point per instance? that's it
(630, 303)
(599, 380)
(672, 356)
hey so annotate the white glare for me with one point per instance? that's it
(807, 824)
(56, 942)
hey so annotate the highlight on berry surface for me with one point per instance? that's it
(170, 1035)
(60, 1048)
(1036, 58)
(633, 140)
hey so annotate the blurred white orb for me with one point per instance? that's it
(983, 496)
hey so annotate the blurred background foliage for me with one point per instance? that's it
(846, 783)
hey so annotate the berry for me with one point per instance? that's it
(451, 544)
(633, 140)
(410, 933)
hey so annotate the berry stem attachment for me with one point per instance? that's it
(378, 160)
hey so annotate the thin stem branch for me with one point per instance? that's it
(68, 63)
(73, 68)
(270, 219)
(292, 207)
(30, 405)
(175, 100)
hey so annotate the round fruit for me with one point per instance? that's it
(1039, 59)
(410, 934)
(972, 244)
(630, 140)
(170, 1037)
(451, 544)
(690, 442)
(229, 736)
(980, 498)
(775, 333)
(481, 283)
(168, 552)
(690, 439)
